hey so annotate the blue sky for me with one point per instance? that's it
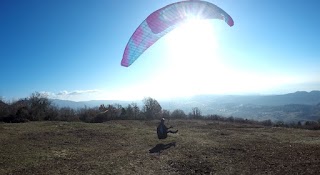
(71, 49)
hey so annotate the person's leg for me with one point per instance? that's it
(169, 131)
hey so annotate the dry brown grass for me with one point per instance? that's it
(122, 147)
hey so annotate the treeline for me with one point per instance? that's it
(39, 108)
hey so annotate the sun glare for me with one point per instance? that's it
(195, 66)
(194, 63)
(192, 58)
(192, 42)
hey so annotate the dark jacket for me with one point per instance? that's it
(162, 131)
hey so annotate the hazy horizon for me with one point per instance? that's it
(68, 97)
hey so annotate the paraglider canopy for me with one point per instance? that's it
(162, 21)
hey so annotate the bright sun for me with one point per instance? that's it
(192, 42)
(192, 59)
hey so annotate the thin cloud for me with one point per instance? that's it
(80, 92)
(69, 94)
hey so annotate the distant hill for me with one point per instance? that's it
(296, 106)
(300, 97)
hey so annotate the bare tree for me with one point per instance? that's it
(196, 113)
(178, 113)
(39, 104)
(151, 108)
(135, 110)
(129, 112)
(4, 110)
(67, 114)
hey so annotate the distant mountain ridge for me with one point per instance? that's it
(299, 97)
(293, 106)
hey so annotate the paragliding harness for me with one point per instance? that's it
(162, 131)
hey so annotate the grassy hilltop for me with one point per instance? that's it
(122, 147)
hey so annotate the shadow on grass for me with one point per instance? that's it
(161, 147)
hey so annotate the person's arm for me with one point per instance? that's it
(167, 127)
